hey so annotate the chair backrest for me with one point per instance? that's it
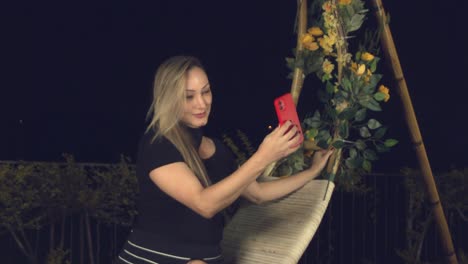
(278, 231)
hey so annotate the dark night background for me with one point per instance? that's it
(77, 76)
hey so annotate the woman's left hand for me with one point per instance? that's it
(320, 158)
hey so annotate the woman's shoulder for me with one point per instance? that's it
(157, 150)
(149, 140)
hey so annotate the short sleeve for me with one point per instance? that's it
(157, 153)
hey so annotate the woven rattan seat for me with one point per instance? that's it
(277, 231)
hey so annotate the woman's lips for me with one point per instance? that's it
(201, 115)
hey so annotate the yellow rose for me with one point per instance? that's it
(385, 91)
(311, 46)
(327, 66)
(309, 42)
(344, 2)
(326, 43)
(315, 31)
(367, 76)
(306, 38)
(361, 69)
(366, 56)
(342, 106)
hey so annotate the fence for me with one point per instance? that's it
(358, 227)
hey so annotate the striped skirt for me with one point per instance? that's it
(141, 248)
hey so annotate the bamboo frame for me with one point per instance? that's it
(298, 75)
(341, 48)
(410, 117)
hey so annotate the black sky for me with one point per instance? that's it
(77, 75)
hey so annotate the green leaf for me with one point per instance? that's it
(379, 96)
(316, 115)
(311, 133)
(322, 144)
(373, 105)
(360, 115)
(369, 154)
(313, 121)
(344, 129)
(313, 63)
(356, 85)
(390, 142)
(353, 152)
(357, 57)
(373, 81)
(324, 134)
(360, 144)
(381, 148)
(338, 144)
(373, 65)
(364, 132)
(355, 23)
(355, 162)
(330, 88)
(290, 62)
(343, 94)
(331, 112)
(367, 165)
(380, 132)
(346, 84)
(347, 113)
(299, 62)
(373, 124)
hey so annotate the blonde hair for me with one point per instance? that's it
(166, 110)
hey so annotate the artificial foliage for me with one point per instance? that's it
(346, 62)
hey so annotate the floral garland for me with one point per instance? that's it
(350, 92)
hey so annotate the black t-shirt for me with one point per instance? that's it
(160, 214)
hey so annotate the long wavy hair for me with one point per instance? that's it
(167, 109)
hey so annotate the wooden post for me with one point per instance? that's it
(392, 56)
(298, 76)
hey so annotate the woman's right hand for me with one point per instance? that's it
(280, 143)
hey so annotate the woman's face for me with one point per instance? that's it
(198, 99)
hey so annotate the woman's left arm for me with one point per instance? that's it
(260, 192)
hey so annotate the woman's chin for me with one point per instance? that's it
(197, 124)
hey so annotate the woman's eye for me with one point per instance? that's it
(189, 97)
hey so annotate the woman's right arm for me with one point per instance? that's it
(179, 182)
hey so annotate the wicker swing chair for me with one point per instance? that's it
(278, 231)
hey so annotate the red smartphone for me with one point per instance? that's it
(286, 110)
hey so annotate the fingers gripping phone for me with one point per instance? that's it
(286, 110)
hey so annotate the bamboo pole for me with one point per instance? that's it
(410, 117)
(341, 49)
(298, 75)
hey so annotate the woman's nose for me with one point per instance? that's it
(200, 101)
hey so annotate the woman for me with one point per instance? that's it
(187, 179)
